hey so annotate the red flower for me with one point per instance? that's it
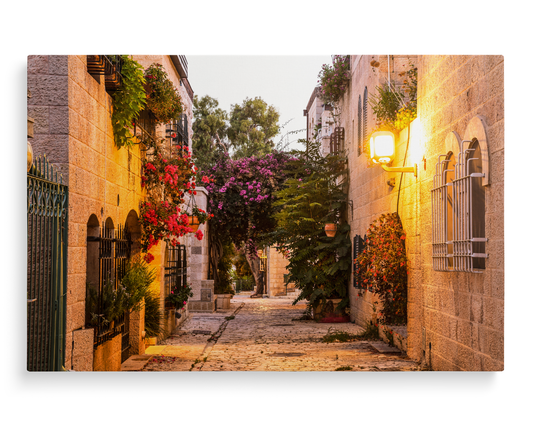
(199, 235)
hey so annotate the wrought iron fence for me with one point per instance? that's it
(47, 203)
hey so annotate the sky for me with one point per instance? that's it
(285, 82)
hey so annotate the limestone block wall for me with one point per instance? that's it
(368, 189)
(277, 268)
(462, 313)
(72, 112)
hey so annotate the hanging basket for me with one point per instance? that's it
(194, 223)
(331, 229)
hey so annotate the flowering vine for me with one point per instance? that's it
(383, 267)
(168, 175)
(334, 80)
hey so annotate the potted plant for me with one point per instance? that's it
(178, 298)
(197, 217)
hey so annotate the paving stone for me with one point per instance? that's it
(265, 334)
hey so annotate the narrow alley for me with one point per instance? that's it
(266, 335)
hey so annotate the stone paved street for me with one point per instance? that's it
(265, 335)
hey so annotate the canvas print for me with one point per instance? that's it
(265, 213)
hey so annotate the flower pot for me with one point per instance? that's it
(194, 223)
(331, 229)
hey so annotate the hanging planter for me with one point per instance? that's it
(194, 223)
(331, 229)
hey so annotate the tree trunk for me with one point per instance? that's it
(215, 252)
(255, 263)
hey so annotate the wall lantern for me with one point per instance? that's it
(331, 229)
(383, 150)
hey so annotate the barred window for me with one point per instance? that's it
(365, 115)
(458, 210)
(359, 129)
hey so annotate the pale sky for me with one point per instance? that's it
(285, 82)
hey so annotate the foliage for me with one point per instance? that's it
(370, 332)
(395, 107)
(179, 296)
(225, 265)
(167, 175)
(314, 195)
(383, 267)
(162, 97)
(201, 214)
(209, 132)
(136, 281)
(334, 80)
(109, 305)
(128, 102)
(252, 127)
(241, 196)
(153, 316)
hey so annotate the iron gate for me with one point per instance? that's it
(47, 204)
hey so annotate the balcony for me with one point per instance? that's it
(109, 66)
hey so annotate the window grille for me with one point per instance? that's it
(358, 247)
(178, 131)
(365, 114)
(359, 128)
(336, 143)
(175, 268)
(459, 201)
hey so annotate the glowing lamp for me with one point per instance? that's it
(382, 147)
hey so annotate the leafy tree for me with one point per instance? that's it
(319, 266)
(252, 127)
(241, 199)
(209, 131)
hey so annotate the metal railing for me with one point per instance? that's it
(47, 200)
(110, 66)
(459, 253)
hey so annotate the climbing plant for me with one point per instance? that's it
(383, 267)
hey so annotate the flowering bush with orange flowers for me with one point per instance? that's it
(383, 267)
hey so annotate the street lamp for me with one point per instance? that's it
(383, 151)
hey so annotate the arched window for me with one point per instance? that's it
(359, 129)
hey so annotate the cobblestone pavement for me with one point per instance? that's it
(266, 335)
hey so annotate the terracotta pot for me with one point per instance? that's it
(194, 223)
(331, 229)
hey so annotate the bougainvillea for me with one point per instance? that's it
(241, 201)
(383, 267)
(334, 80)
(168, 175)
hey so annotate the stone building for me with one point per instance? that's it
(71, 107)
(455, 303)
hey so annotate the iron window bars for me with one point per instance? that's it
(175, 268)
(336, 144)
(452, 202)
(110, 66)
(114, 252)
(358, 247)
(178, 131)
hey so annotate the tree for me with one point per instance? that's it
(209, 131)
(319, 266)
(252, 127)
(241, 199)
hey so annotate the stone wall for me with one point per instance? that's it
(462, 313)
(72, 113)
(455, 319)
(277, 268)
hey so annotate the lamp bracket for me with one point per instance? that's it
(413, 169)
